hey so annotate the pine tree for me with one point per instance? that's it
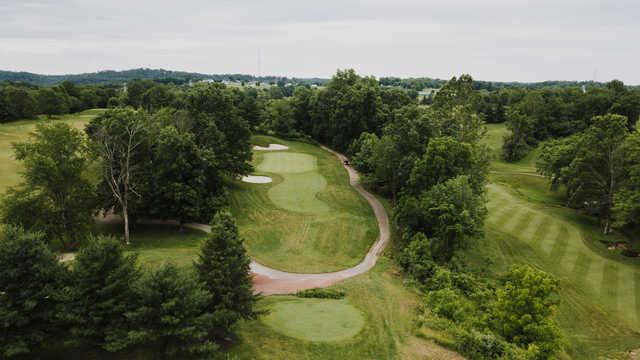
(30, 276)
(173, 316)
(102, 294)
(223, 269)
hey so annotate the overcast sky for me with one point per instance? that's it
(490, 39)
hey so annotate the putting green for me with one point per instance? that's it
(315, 319)
(298, 192)
(287, 162)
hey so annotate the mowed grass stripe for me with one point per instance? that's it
(581, 267)
(559, 246)
(529, 232)
(500, 220)
(609, 285)
(549, 235)
(516, 221)
(573, 248)
(627, 296)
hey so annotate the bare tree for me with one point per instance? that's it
(118, 138)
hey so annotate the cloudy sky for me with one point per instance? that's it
(489, 39)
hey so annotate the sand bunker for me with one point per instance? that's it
(256, 179)
(271, 147)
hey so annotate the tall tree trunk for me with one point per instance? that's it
(125, 216)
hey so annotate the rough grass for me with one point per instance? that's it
(18, 131)
(600, 291)
(314, 319)
(297, 223)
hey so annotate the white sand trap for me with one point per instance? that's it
(271, 147)
(256, 179)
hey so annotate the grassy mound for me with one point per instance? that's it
(315, 319)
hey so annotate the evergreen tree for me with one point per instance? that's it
(102, 293)
(30, 276)
(223, 268)
(173, 315)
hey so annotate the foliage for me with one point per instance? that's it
(320, 293)
(449, 213)
(30, 279)
(278, 117)
(517, 144)
(416, 258)
(55, 187)
(444, 159)
(524, 309)
(223, 268)
(101, 295)
(173, 315)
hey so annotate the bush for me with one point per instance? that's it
(321, 293)
(480, 346)
(448, 303)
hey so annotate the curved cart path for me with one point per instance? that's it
(268, 281)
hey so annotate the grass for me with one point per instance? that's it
(308, 219)
(156, 245)
(527, 223)
(314, 319)
(18, 131)
(386, 306)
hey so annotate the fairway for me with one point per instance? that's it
(309, 219)
(315, 319)
(599, 308)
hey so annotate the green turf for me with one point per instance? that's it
(311, 221)
(315, 319)
(156, 245)
(285, 162)
(18, 131)
(527, 223)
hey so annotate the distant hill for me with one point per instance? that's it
(181, 77)
(161, 75)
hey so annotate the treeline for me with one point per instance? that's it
(536, 115)
(104, 302)
(600, 171)
(23, 101)
(111, 77)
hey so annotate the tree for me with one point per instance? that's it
(30, 279)
(626, 209)
(173, 315)
(55, 178)
(214, 105)
(519, 142)
(444, 159)
(223, 267)
(598, 169)
(278, 116)
(417, 259)
(457, 92)
(180, 181)
(156, 97)
(555, 157)
(524, 309)
(448, 214)
(17, 103)
(119, 140)
(52, 101)
(102, 294)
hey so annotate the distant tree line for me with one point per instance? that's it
(536, 115)
(111, 77)
(22, 101)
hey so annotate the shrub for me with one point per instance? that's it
(321, 293)
(448, 303)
